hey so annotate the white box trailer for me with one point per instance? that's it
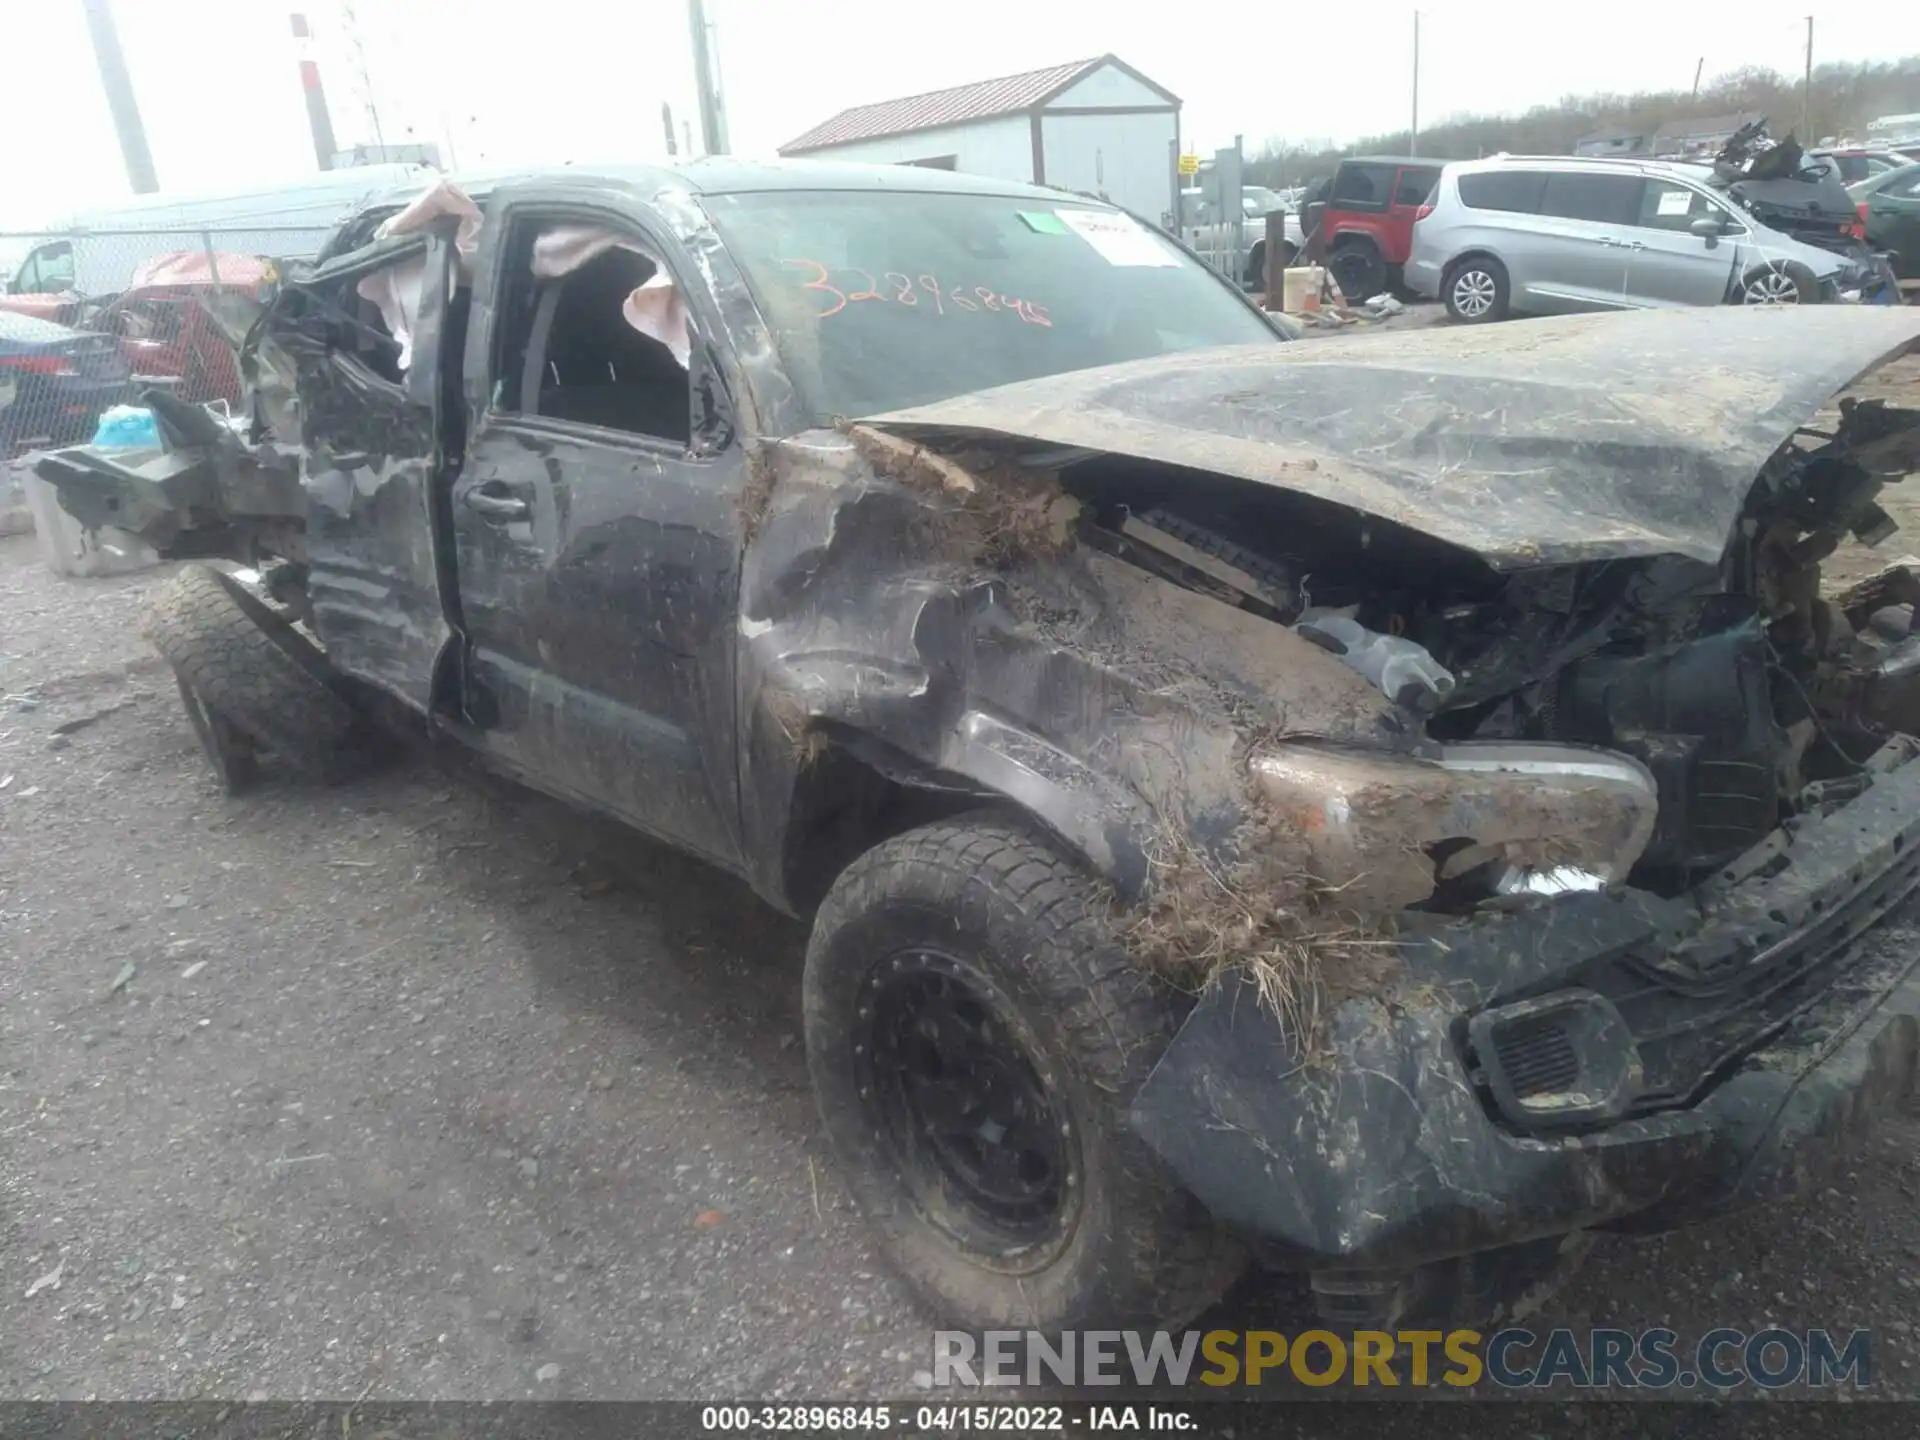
(95, 252)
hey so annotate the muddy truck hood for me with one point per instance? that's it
(1548, 442)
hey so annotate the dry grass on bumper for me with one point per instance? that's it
(1260, 914)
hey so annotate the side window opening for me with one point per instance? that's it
(595, 343)
(1362, 187)
(366, 318)
(1665, 206)
(1592, 196)
(1516, 191)
(1415, 185)
(47, 270)
(361, 331)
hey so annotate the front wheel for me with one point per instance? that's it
(975, 1034)
(1780, 284)
(1257, 263)
(1476, 290)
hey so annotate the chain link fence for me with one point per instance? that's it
(94, 318)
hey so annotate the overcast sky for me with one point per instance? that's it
(584, 79)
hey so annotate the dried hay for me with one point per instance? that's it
(1257, 911)
(757, 494)
(793, 717)
(994, 511)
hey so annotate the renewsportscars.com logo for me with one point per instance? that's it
(1654, 1359)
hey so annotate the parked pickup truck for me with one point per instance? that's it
(1387, 810)
(1216, 236)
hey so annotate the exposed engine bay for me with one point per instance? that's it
(1747, 695)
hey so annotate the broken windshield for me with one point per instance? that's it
(883, 300)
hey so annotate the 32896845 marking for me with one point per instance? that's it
(797, 1419)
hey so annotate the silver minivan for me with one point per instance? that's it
(1551, 234)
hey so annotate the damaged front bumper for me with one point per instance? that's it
(1604, 1060)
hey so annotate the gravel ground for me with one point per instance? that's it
(418, 1088)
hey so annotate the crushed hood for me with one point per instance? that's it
(1545, 442)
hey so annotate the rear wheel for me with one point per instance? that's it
(250, 681)
(1779, 284)
(235, 762)
(974, 1035)
(1475, 290)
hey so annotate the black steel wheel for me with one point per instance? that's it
(971, 1123)
(974, 1036)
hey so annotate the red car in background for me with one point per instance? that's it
(182, 317)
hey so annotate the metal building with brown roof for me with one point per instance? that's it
(1097, 126)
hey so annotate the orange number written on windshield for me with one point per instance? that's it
(921, 292)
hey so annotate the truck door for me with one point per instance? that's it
(597, 527)
(371, 429)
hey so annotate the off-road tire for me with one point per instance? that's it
(236, 764)
(254, 671)
(1359, 269)
(1256, 273)
(1133, 1248)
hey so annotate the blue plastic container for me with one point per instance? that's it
(126, 427)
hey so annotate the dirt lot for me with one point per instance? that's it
(418, 1089)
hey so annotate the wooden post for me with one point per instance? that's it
(1275, 278)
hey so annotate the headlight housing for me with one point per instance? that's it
(1386, 831)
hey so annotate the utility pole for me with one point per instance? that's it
(666, 119)
(713, 119)
(1413, 130)
(120, 100)
(1806, 89)
(1693, 96)
(319, 120)
(351, 23)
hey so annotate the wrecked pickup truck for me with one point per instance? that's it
(1387, 809)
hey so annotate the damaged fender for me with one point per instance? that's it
(1105, 702)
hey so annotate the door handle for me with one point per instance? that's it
(493, 501)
